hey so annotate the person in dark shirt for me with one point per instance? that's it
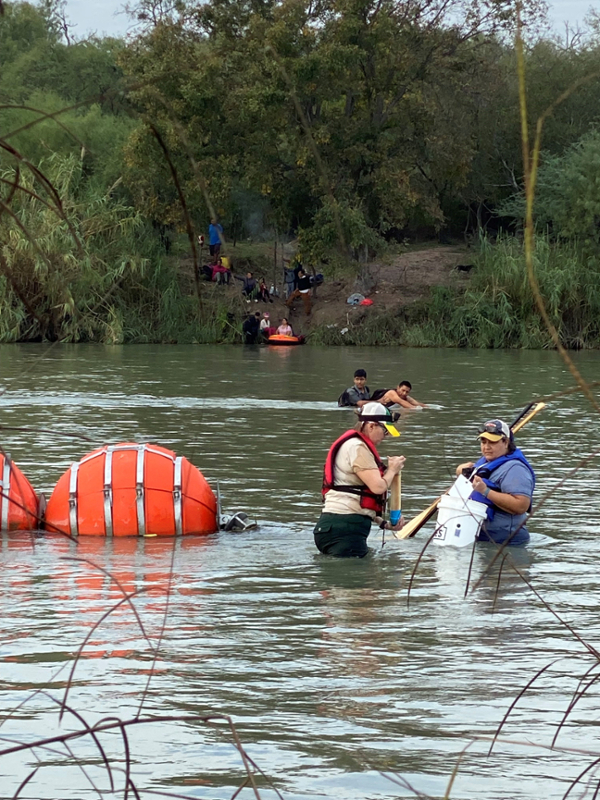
(357, 395)
(251, 327)
(249, 288)
(302, 291)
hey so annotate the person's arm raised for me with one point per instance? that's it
(378, 483)
(512, 503)
(461, 467)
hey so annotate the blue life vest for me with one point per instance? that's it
(484, 469)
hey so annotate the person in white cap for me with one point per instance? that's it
(504, 481)
(355, 484)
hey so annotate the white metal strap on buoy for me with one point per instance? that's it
(177, 496)
(139, 490)
(5, 494)
(108, 521)
(73, 527)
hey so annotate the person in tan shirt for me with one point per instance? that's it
(355, 484)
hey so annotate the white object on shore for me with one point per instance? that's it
(459, 519)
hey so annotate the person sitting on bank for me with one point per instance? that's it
(355, 485)
(302, 291)
(249, 287)
(285, 329)
(357, 395)
(399, 396)
(504, 480)
(221, 273)
(263, 291)
(265, 326)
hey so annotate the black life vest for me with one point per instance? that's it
(368, 499)
(378, 394)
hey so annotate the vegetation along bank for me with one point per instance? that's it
(358, 130)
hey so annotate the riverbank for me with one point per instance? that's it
(442, 296)
(454, 296)
(395, 285)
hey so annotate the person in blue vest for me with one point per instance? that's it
(504, 481)
(355, 485)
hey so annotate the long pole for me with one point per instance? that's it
(396, 500)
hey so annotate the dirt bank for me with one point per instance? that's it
(391, 284)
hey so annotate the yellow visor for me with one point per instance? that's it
(390, 429)
(491, 437)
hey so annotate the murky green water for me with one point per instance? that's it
(335, 686)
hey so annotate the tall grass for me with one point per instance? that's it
(87, 267)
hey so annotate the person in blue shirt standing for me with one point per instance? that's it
(215, 233)
(504, 481)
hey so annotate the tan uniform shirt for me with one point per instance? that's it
(353, 456)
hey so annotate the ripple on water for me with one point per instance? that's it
(330, 677)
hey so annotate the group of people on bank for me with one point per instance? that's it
(356, 481)
(256, 329)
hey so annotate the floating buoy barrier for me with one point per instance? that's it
(132, 490)
(19, 504)
(280, 339)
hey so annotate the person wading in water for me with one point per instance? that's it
(504, 481)
(355, 485)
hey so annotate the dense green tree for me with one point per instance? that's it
(347, 101)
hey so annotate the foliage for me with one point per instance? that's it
(568, 194)
(92, 271)
(342, 123)
(354, 104)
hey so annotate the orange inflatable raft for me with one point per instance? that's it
(132, 490)
(19, 504)
(280, 339)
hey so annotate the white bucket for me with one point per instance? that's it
(462, 487)
(458, 520)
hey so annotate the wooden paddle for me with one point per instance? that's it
(415, 524)
(396, 499)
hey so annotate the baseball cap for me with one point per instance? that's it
(494, 430)
(377, 412)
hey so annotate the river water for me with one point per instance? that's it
(337, 687)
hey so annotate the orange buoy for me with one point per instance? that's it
(132, 490)
(19, 504)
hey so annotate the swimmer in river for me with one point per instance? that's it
(357, 395)
(400, 396)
